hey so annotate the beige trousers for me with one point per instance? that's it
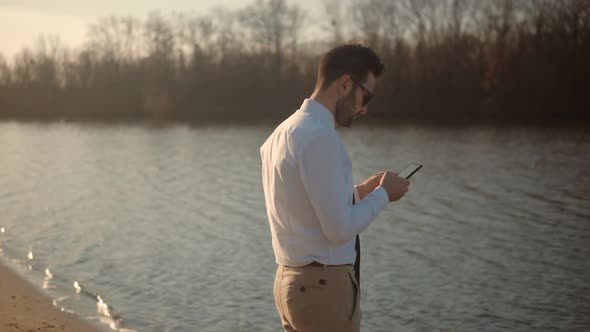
(318, 299)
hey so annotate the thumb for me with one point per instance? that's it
(384, 176)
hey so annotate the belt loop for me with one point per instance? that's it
(325, 268)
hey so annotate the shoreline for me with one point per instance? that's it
(550, 121)
(25, 308)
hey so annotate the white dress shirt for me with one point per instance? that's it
(308, 190)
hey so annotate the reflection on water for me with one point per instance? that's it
(168, 226)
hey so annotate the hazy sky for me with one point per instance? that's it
(22, 21)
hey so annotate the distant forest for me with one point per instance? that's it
(447, 61)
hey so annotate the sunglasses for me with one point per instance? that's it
(368, 95)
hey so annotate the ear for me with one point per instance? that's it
(344, 85)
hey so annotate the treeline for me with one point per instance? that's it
(446, 61)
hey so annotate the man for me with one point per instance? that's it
(309, 195)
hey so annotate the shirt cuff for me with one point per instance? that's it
(357, 197)
(381, 197)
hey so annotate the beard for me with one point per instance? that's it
(344, 112)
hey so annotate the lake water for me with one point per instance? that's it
(167, 226)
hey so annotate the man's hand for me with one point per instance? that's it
(396, 187)
(369, 184)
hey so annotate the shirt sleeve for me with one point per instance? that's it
(324, 177)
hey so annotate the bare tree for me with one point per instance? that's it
(336, 19)
(105, 36)
(196, 35)
(273, 25)
(5, 73)
(377, 22)
(159, 36)
(419, 16)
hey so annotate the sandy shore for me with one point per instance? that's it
(25, 309)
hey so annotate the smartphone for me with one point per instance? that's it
(410, 170)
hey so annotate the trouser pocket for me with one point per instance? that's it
(355, 296)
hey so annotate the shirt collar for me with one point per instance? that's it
(318, 112)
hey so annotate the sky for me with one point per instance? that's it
(22, 21)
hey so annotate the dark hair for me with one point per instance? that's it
(353, 59)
